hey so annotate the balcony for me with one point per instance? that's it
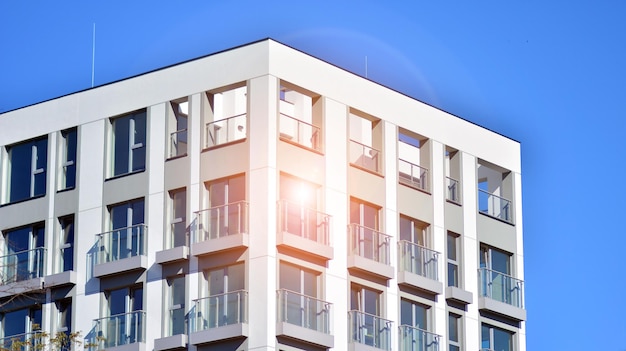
(415, 339)
(501, 293)
(22, 266)
(368, 332)
(453, 190)
(178, 143)
(418, 267)
(413, 175)
(304, 229)
(124, 332)
(365, 157)
(494, 206)
(304, 318)
(33, 341)
(175, 323)
(121, 250)
(221, 228)
(225, 131)
(220, 317)
(300, 133)
(177, 244)
(368, 251)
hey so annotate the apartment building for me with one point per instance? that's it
(258, 199)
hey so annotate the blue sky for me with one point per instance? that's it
(549, 74)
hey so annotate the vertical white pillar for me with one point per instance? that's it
(437, 183)
(469, 257)
(262, 181)
(336, 196)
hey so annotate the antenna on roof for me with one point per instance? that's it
(93, 54)
(365, 66)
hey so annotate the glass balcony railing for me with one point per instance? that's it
(453, 192)
(364, 156)
(304, 222)
(370, 330)
(297, 131)
(304, 311)
(415, 339)
(413, 175)
(226, 130)
(494, 206)
(120, 329)
(178, 234)
(369, 243)
(122, 243)
(177, 323)
(418, 259)
(33, 341)
(178, 143)
(221, 221)
(23, 265)
(501, 287)
(221, 310)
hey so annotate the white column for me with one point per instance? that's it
(262, 192)
(437, 181)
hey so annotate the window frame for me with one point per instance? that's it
(38, 152)
(68, 158)
(133, 143)
(456, 238)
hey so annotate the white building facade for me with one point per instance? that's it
(258, 199)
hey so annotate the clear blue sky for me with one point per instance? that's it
(549, 74)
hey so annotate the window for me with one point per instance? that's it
(178, 127)
(365, 239)
(300, 117)
(415, 255)
(494, 259)
(128, 153)
(67, 157)
(299, 289)
(495, 189)
(453, 259)
(413, 159)
(496, 280)
(454, 332)
(124, 321)
(226, 302)
(17, 325)
(414, 314)
(24, 254)
(64, 316)
(127, 237)
(178, 218)
(452, 170)
(27, 164)
(366, 141)
(366, 327)
(495, 339)
(298, 210)
(66, 244)
(177, 323)
(226, 210)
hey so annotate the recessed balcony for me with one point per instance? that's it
(501, 294)
(369, 251)
(418, 267)
(304, 318)
(415, 339)
(121, 332)
(413, 175)
(300, 133)
(121, 250)
(225, 131)
(368, 332)
(22, 271)
(495, 206)
(221, 228)
(453, 190)
(220, 317)
(304, 229)
(365, 157)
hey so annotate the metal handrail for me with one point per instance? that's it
(241, 312)
(379, 241)
(228, 121)
(241, 225)
(304, 218)
(25, 341)
(320, 316)
(106, 253)
(512, 291)
(129, 328)
(427, 266)
(429, 340)
(373, 156)
(420, 182)
(380, 339)
(174, 151)
(23, 265)
(504, 209)
(314, 138)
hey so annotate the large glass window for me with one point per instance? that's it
(176, 306)
(124, 323)
(454, 332)
(452, 255)
(127, 230)
(300, 289)
(27, 170)
(225, 302)
(226, 211)
(18, 323)
(66, 244)
(414, 314)
(64, 316)
(495, 339)
(128, 153)
(67, 157)
(178, 218)
(178, 128)
(24, 254)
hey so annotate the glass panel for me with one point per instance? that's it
(15, 322)
(121, 145)
(117, 301)
(177, 306)
(502, 340)
(69, 161)
(500, 262)
(453, 328)
(139, 147)
(67, 244)
(41, 158)
(452, 247)
(485, 337)
(289, 277)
